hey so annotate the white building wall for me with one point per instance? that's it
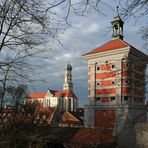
(51, 101)
(70, 104)
(41, 100)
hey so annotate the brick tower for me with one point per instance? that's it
(116, 82)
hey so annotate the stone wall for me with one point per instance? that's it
(141, 131)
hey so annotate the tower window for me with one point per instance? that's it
(126, 81)
(113, 66)
(106, 62)
(98, 84)
(116, 27)
(89, 92)
(112, 98)
(98, 68)
(112, 83)
(126, 98)
(98, 99)
(126, 65)
(135, 99)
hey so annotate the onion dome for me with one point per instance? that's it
(68, 67)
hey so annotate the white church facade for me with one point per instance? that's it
(52, 98)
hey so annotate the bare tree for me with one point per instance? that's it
(137, 9)
(24, 27)
(16, 117)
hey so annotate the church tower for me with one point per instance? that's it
(68, 78)
(116, 83)
(70, 100)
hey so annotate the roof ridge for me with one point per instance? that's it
(38, 92)
(125, 42)
(108, 46)
(32, 95)
(52, 90)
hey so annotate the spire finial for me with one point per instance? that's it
(117, 10)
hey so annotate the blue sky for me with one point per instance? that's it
(87, 33)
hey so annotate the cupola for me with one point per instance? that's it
(117, 26)
(68, 67)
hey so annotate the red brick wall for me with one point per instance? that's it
(106, 67)
(106, 91)
(105, 118)
(105, 75)
(105, 99)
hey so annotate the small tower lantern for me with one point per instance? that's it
(117, 27)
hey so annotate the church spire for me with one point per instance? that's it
(68, 78)
(117, 26)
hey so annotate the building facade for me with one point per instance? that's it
(65, 98)
(116, 82)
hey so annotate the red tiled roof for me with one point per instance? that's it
(86, 136)
(65, 93)
(35, 95)
(41, 108)
(67, 117)
(56, 93)
(111, 45)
